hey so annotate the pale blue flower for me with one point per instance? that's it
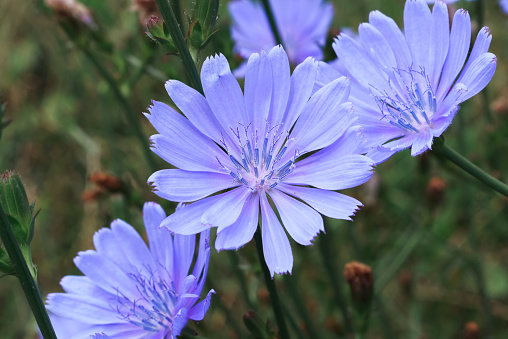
(504, 5)
(302, 24)
(407, 87)
(130, 290)
(235, 151)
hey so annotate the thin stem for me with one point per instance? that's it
(26, 280)
(442, 149)
(331, 270)
(130, 114)
(292, 286)
(272, 290)
(176, 34)
(273, 24)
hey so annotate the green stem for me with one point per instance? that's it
(175, 4)
(273, 24)
(442, 149)
(130, 114)
(176, 34)
(300, 306)
(272, 290)
(331, 270)
(26, 280)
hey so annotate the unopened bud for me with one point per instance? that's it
(107, 181)
(436, 189)
(359, 278)
(17, 208)
(256, 326)
(471, 331)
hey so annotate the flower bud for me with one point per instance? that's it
(157, 30)
(256, 326)
(359, 278)
(107, 182)
(435, 190)
(471, 331)
(17, 208)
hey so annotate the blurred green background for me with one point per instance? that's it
(435, 238)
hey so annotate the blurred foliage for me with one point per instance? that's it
(435, 238)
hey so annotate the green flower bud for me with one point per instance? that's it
(17, 208)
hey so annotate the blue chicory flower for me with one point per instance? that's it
(302, 24)
(252, 146)
(130, 290)
(504, 5)
(407, 87)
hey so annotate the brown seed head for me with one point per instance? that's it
(471, 331)
(106, 181)
(359, 278)
(435, 189)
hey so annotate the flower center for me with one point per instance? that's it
(153, 311)
(411, 103)
(257, 163)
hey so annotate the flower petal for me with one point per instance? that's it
(302, 83)
(159, 239)
(83, 308)
(196, 109)
(417, 25)
(479, 74)
(188, 220)
(258, 90)
(422, 142)
(332, 204)
(481, 46)
(300, 221)
(281, 84)
(199, 310)
(460, 38)
(93, 265)
(276, 247)
(243, 229)
(389, 29)
(334, 174)
(372, 40)
(180, 143)
(358, 62)
(324, 119)
(183, 254)
(227, 210)
(439, 36)
(223, 93)
(184, 186)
